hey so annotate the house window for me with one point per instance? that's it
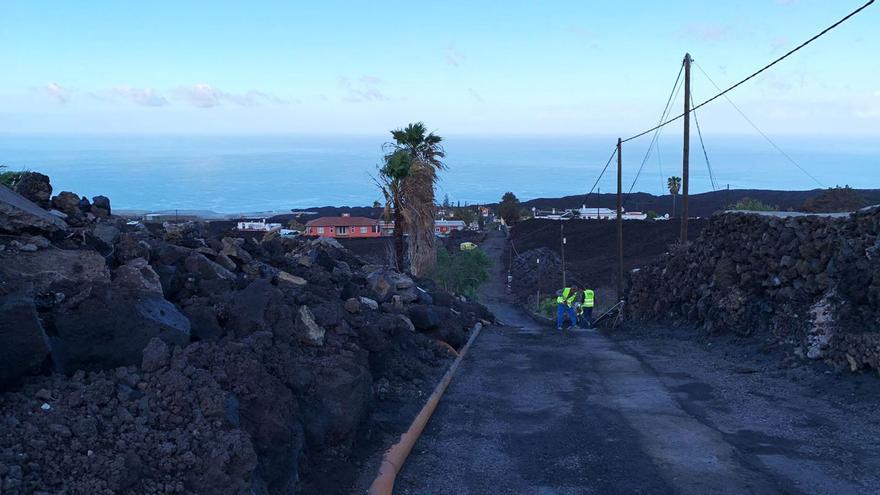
(364, 230)
(342, 230)
(376, 229)
(320, 230)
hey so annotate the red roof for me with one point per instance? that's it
(341, 222)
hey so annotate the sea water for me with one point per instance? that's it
(237, 174)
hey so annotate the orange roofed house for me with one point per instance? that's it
(344, 226)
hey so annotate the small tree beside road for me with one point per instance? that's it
(509, 209)
(461, 272)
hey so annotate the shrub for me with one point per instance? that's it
(547, 307)
(8, 178)
(461, 272)
(834, 200)
(749, 204)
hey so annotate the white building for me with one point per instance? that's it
(261, 226)
(609, 214)
(444, 227)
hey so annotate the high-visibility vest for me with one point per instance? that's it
(567, 297)
(588, 298)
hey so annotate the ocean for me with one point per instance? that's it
(239, 174)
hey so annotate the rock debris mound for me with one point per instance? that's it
(162, 359)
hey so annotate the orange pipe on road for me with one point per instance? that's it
(394, 458)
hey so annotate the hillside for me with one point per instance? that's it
(699, 205)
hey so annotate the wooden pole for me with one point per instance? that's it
(619, 221)
(686, 149)
(562, 248)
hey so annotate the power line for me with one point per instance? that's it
(613, 153)
(765, 136)
(753, 74)
(703, 145)
(660, 166)
(676, 87)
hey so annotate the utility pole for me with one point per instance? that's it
(686, 149)
(598, 202)
(538, 290)
(562, 248)
(619, 221)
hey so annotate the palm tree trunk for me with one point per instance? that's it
(398, 235)
(673, 206)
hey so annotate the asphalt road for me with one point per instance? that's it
(536, 411)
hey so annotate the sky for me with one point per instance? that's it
(464, 67)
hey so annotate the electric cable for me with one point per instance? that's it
(759, 71)
(703, 145)
(762, 133)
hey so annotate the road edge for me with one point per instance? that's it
(396, 455)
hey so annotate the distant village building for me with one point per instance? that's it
(445, 227)
(257, 226)
(345, 226)
(585, 213)
(553, 214)
(609, 214)
(598, 213)
(349, 227)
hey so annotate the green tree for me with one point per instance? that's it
(377, 204)
(674, 185)
(834, 200)
(462, 272)
(509, 209)
(750, 204)
(465, 214)
(446, 203)
(412, 162)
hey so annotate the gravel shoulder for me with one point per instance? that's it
(813, 427)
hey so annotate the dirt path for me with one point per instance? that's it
(535, 411)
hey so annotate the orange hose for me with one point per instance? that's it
(448, 347)
(394, 457)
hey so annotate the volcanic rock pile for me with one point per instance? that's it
(534, 270)
(159, 359)
(811, 281)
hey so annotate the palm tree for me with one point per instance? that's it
(674, 184)
(412, 161)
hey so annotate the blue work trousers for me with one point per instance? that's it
(561, 311)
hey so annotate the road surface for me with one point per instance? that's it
(536, 411)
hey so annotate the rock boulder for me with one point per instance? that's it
(23, 343)
(18, 214)
(111, 327)
(35, 187)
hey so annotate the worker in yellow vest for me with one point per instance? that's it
(585, 308)
(565, 300)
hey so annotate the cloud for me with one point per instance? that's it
(199, 95)
(362, 89)
(707, 31)
(56, 92)
(454, 57)
(778, 43)
(147, 97)
(203, 95)
(782, 83)
(581, 32)
(867, 107)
